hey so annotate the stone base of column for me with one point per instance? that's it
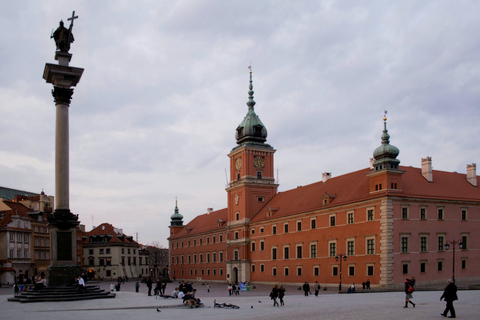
(63, 219)
(62, 275)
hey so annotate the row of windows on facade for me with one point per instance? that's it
(313, 225)
(193, 272)
(316, 270)
(193, 258)
(423, 266)
(26, 254)
(21, 237)
(200, 241)
(440, 213)
(441, 241)
(332, 249)
(108, 261)
(108, 251)
(351, 269)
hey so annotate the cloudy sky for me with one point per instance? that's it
(165, 85)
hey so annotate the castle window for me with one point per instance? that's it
(260, 199)
(350, 217)
(423, 244)
(423, 213)
(404, 244)
(236, 235)
(351, 248)
(440, 214)
(259, 174)
(332, 221)
(464, 214)
(299, 225)
(237, 216)
(405, 213)
(274, 229)
(313, 224)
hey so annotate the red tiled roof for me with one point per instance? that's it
(107, 229)
(204, 223)
(347, 188)
(355, 186)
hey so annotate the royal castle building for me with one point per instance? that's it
(383, 223)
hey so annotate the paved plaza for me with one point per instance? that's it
(328, 305)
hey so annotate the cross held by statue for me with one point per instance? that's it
(72, 18)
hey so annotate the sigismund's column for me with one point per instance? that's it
(62, 222)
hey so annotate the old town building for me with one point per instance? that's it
(109, 254)
(24, 235)
(383, 223)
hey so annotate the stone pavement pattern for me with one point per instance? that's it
(328, 305)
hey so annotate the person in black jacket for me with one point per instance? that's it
(450, 295)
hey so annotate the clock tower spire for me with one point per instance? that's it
(252, 185)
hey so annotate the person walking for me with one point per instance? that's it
(274, 295)
(306, 288)
(316, 287)
(281, 294)
(137, 286)
(208, 287)
(408, 293)
(449, 295)
(149, 285)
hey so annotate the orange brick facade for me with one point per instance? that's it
(391, 222)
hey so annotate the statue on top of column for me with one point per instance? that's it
(63, 37)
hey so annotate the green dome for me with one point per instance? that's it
(386, 155)
(176, 217)
(251, 129)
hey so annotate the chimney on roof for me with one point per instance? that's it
(209, 210)
(427, 169)
(472, 174)
(372, 160)
(326, 176)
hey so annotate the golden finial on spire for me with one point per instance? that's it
(384, 115)
(250, 68)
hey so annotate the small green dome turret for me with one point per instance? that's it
(386, 155)
(177, 218)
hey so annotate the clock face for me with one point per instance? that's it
(238, 163)
(259, 162)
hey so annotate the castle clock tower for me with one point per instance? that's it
(252, 185)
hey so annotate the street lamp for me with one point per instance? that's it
(340, 257)
(460, 246)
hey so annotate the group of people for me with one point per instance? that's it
(233, 289)
(277, 292)
(186, 292)
(159, 289)
(449, 295)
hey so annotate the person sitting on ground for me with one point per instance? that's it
(41, 284)
(175, 293)
(191, 300)
(181, 295)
